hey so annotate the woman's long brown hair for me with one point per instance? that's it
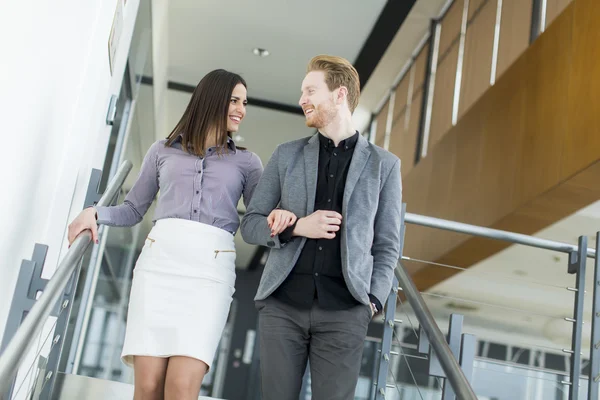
(207, 111)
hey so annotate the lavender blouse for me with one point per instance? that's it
(205, 190)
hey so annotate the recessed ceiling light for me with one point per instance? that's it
(260, 52)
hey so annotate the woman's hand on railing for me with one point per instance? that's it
(84, 221)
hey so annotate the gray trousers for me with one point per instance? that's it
(332, 341)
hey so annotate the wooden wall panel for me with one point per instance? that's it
(545, 73)
(554, 8)
(381, 121)
(402, 94)
(475, 5)
(414, 123)
(441, 185)
(403, 144)
(515, 31)
(524, 156)
(501, 148)
(443, 96)
(583, 137)
(465, 198)
(415, 193)
(398, 136)
(558, 203)
(420, 68)
(477, 63)
(451, 24)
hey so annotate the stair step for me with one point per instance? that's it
(76, 387)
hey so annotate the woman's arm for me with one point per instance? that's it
(129, 213)
(139, 198)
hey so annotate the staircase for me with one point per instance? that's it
(77, 387)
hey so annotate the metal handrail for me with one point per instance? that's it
(448, 362)
(496, 234)
(18, 347)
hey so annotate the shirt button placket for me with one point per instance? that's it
(198, 189)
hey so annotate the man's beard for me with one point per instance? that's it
(321, 116)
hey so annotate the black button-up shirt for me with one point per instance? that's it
(318, 271)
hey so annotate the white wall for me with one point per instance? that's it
(55, 87)
(160, 63)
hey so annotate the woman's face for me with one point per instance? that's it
(237, 108)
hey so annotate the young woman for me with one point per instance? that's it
(184, 278)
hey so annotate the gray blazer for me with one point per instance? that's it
(371, 210)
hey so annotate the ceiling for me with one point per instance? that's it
(205, 35)
(294, 32)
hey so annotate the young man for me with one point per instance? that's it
(331, 271)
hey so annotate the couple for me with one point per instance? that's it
(328, 207)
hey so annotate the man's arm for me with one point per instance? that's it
(266, 197)
(386, 243)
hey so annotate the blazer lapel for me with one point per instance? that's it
(311, 165)
(359, 160)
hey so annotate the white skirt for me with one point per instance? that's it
(181, 292)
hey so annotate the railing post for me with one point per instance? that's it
(463, 346)
(468, 351)
(388, 325)
(29, 283)
(448, 361)
(454, 341)
(595, 342)
(17, 346)
(577, 262)
(386, 343)
(58, 340)
(92, 197)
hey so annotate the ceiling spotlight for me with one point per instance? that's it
(260, 52)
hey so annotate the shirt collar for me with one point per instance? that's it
(346, 144)
(230, 145)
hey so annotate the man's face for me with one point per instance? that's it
(317, 101)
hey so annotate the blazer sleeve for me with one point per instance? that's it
(266, 197)
(386, 241)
